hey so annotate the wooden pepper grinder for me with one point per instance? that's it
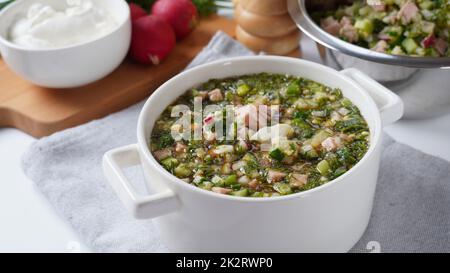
(266, 26)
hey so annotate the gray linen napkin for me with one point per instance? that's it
(410, 212)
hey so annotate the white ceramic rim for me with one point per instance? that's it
(18, 47)
(145, 150)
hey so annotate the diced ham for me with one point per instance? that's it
(265, 162)
(441, 46)
(384, 36)
(381, 46)
(428, 41)
(350, 33)
(215, 95)
(298, 180)
(275, 176)
(377, 5)
(331, 25)
(221, 190)
(331, 144)
(180, 147)
(253, 184)
(408, 11)
(162, 154)
(345, 21)
(243, 179)
(345, 137)
(238, 165)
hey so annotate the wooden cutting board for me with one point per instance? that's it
(40, 111)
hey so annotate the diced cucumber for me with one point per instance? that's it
(230, 180)
(409, 45)
(194, 92)
(428, 27)
(243, 192)
(397, 50)
(346, 102)
(323, 167)
(235, 187)
(364, 25)
(320, 97)
(251, 160)
(301, 104)
(306, 130)
(420, 51)
(318, 137)
(426, 4)
(365, 10)
(431, 52)
(394, 31)
(229, 96)
(169, 163)
(182, 171)
(312, 154)
(242, 90)
(218, 181)
(206, 185)
(293, 89)
(282, 188)
(257, 194)
(339, 171)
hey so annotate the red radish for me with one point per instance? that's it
(152, 40)
(136, 11)
(180, 14)
(428, 41)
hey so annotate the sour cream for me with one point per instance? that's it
(43, 27)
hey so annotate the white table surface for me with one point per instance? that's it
(29, 224)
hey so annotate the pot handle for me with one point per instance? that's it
(389, 104)
(141, 206)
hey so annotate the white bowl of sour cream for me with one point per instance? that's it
(64, 43)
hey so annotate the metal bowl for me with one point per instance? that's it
(300, 9)
(390, 75)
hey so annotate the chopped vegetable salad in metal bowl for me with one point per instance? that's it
(260, 135)
(398, 27)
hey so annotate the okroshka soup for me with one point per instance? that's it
(260, 135)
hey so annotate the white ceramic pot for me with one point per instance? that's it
(329, 218)
(70, 66)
